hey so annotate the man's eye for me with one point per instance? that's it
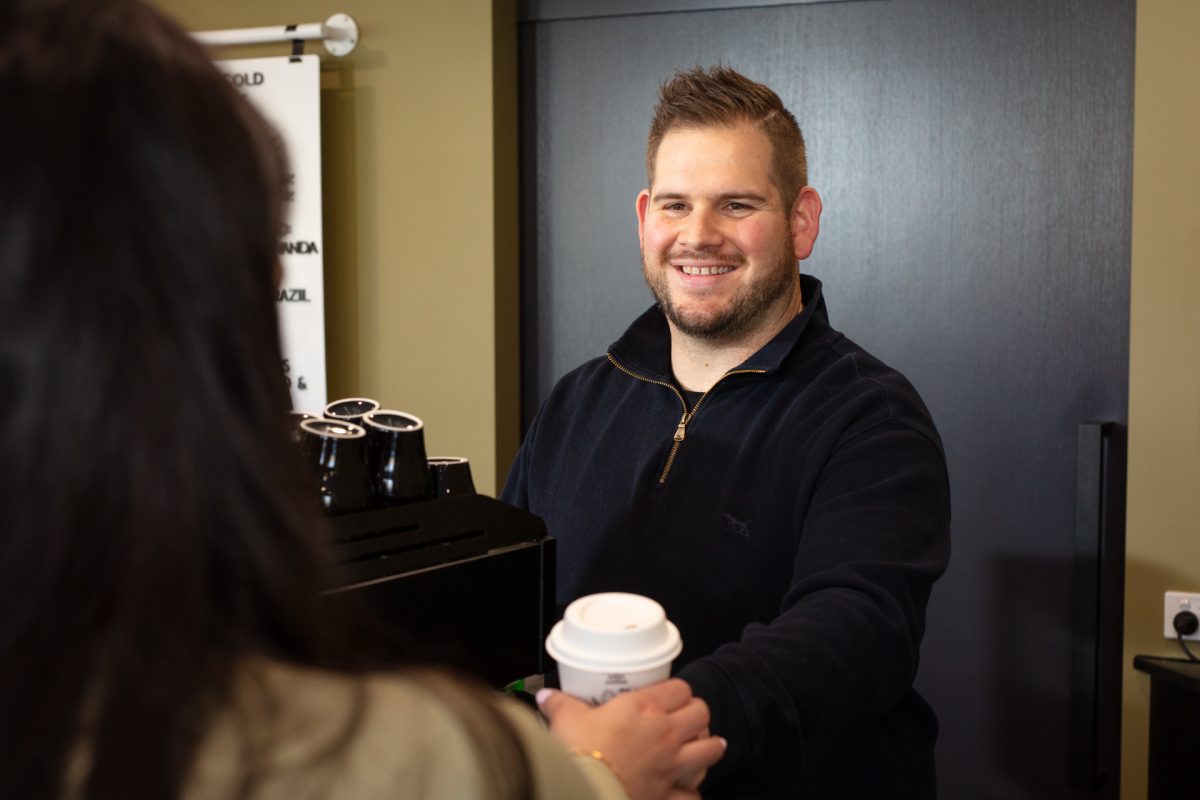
(738, 207)
(674, 207)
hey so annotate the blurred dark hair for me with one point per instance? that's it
(151, 528)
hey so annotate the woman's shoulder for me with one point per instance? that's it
(299, 732)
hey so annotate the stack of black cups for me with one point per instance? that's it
(362, 456)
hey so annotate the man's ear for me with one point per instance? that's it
(806, 222)
(642, 203)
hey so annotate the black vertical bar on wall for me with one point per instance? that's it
(1089, 591)
(1089, 468)
(1111, 644)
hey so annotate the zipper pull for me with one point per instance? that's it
(679, 431)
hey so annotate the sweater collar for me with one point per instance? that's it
(645, 347)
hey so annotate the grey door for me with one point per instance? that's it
(974, 157)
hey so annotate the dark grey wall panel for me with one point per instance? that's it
(549, 10)
(975, 162)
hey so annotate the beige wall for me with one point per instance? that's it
(1163, 534)
(419, 149)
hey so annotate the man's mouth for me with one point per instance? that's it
(693, 269)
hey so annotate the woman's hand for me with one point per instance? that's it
(656, 738)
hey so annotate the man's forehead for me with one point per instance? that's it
(734, 143)
(713, 159)
(737, 126)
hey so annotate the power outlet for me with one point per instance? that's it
(1173, 603)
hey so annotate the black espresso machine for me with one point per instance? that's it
(464, 581)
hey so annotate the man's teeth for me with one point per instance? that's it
(704, 270)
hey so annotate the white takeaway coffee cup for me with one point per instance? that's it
(610, 643)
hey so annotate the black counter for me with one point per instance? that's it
(1174, 725)
(466, 582)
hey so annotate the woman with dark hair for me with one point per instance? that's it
(159, 569)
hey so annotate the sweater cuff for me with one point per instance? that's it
(714, 686)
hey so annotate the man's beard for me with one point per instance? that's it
(751, 305)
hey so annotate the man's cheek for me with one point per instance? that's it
(657, 241)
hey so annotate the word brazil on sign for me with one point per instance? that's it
(287, 91)
(293, 296)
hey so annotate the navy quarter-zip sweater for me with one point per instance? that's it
(791, 523)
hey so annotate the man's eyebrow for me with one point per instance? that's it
(746, 195)
(753, 197)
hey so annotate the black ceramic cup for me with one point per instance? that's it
(351, 409)
(335, 451)
(295, 418)
(450, 476)
(396, 456)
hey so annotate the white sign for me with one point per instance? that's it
(287, 91)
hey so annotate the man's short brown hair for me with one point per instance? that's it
(720, 96)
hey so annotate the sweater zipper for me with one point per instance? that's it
(688, 416)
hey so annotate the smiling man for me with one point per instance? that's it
(779, 490)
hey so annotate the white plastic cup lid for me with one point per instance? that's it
(614, 632)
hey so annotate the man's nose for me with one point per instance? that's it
(700, 230)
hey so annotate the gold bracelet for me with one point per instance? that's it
(596, 754)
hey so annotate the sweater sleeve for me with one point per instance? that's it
(520, 488)
(516, 490)
(873, 536)
(516, 487)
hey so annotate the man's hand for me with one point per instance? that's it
(656, 738)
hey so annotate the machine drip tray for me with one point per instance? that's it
(466, 582)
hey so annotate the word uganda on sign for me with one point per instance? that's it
(287, 91)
